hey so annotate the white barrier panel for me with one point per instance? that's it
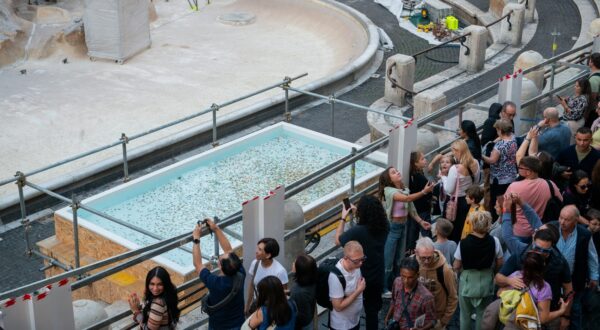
(502, 88)
(273, 225)
(510, 89)
(18, 313)
(53, 307)
(403, 141)
(251, 231)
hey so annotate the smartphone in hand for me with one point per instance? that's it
(346, 202)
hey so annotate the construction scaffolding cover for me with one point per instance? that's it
(116, 29)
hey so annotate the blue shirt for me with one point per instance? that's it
(219, 286)
(567, 248)
(554, 139)
(513, 243)
(290, 325)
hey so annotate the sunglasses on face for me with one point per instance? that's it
(357, 261)
(540, 250)
(584, 186)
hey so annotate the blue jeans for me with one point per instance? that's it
(393, 252)
(577, 310)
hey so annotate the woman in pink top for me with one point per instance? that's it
(397, 201)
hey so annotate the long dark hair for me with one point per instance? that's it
(370, 213)
(534, 266)
(414, 157)
(385, 181)
(306, 270)
(574, 180)
(272, 296)
(169, 294)
(470, 129)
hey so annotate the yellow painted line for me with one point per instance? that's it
(329, 228)
(122, 278)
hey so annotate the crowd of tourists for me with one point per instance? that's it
(502, 232)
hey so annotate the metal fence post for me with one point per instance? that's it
(215, 258)
(75, 207)
(554, 48)
(24, 221)
(214, 107)
(352, 173)
(332, 104)
(124, 141)
(287, 116)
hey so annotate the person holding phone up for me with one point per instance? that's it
(576, 105)
(371, 232)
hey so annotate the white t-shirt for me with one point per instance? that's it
(276, 269)
(498, 252)
(350, 316)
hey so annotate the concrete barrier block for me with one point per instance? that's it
(403, 72)
(428, 102)
(512, 33)
(530, 59)
(472, 53)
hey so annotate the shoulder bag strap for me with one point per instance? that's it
(552, 195)
(406, 304)
(471, 174)
(456, 188)
(235, 288)
(254, 275)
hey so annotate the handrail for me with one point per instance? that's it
(440, 45)
(501, 18)
(139, 254)
(568, 83)
(448, 108)
(152, 130)
(332, 98)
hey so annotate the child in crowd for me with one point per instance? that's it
(446, 161)
(593, 216)
(443, 229)
(473, 198)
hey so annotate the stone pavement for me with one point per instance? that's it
(16, 268)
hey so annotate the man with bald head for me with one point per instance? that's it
(578, 248)
(554, 135)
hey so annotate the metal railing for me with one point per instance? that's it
(507, 16)
(134, 257)
(124, 139)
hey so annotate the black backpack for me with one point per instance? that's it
(553, 207)
(325, 268)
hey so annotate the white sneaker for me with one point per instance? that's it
(387, 295)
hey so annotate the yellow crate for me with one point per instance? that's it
(452, 23)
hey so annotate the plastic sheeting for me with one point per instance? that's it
(116, 29)
(394, 6)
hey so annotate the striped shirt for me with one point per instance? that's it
(158, 317)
